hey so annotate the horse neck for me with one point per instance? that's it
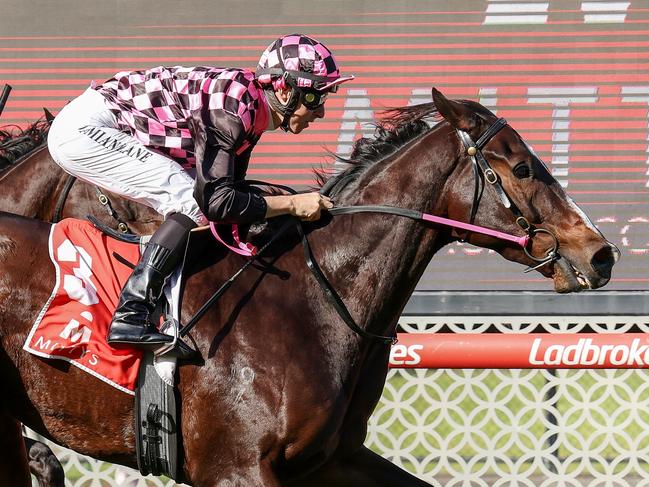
(379, 262)
(29, 186)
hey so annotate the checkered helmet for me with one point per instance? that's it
(302, 61)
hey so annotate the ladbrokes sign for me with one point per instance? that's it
(520, 351)
(586, 353)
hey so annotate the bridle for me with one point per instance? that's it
(482, 172)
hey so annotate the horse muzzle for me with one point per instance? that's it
(573, 276)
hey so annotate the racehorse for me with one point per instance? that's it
(284, 390)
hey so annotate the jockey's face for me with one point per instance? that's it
(302, 116)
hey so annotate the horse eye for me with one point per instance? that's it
(522, 171)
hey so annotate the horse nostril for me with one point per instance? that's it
(603, 261)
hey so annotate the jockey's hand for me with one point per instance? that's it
(307, 206)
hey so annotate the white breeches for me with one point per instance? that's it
(85, 141)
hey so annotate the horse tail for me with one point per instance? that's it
(16, 143)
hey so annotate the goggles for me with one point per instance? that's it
(312, 99)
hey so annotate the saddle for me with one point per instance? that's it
(92, 263)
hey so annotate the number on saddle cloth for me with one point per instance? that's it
(73, 323)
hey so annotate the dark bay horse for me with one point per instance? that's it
(284, 391)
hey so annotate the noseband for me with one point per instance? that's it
(482, 172)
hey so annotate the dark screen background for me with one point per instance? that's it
(572, 77)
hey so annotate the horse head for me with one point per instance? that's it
(519, 195)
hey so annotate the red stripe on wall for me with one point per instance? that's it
(350, 58)
(338, 47)
(382, 35)
(486, 79)
(357, 24)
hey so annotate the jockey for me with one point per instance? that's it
(179, 139)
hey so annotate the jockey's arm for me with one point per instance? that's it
(215, 191)
(220, 199)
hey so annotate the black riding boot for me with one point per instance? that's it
(131, 322)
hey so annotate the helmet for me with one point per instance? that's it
(302, 63)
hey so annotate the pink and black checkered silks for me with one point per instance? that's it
(300, 53)
(155, 105)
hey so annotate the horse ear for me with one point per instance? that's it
(457, 114)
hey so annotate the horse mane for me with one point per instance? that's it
(16, 142)
(396, 128)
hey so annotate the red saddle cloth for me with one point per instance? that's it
(73, 323)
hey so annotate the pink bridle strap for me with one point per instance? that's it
(249, 250)
(417, 215)
(522, 241)
(242, 248)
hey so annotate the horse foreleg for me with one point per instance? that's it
(14, 469)
(44, 465)
(364, 468)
